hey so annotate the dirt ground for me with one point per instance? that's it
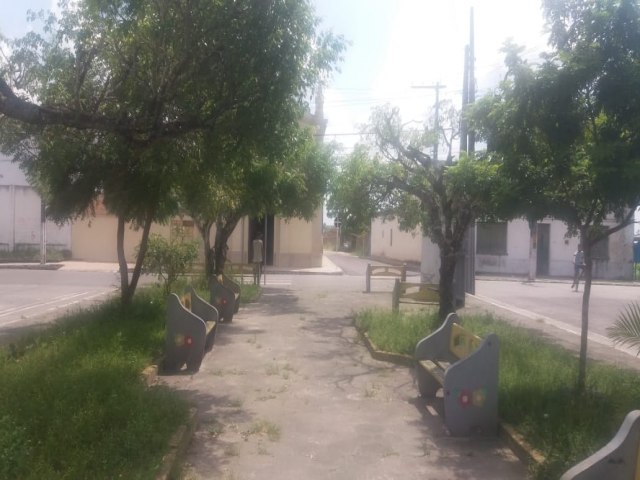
(290, 392)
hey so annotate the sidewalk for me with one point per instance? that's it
(289, 392)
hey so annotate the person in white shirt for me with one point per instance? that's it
(257, 258)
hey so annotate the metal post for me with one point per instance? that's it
(43, 233)
(264, 248)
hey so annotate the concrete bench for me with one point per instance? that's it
(374, 271)
(618, 459)
(225, 296)
(190, 331)
(465, 366)
(414, 293)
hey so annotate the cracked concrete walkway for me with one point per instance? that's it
(289, 392)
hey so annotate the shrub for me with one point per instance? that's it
(169, 259)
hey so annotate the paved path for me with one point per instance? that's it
(289, 392)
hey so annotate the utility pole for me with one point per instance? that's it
(437, 88)
(465, 101)
(468, 137)
(471, 135)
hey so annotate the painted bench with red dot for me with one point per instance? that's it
(190, 331)
(465, 367)
(224, 294)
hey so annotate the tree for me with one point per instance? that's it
(355, 194)
(129, 79)
(444, 197)
(573, 122)
(289, 180)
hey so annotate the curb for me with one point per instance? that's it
(178, 444)
(172, 461)
(30, 266)
(516, 442)
(396, 358)
(519, 446)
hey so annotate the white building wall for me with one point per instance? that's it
(388, 241)
(20, 213)
(561, 250)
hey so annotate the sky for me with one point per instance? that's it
(397, 45)
(393, 47)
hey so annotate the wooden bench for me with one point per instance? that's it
(384, 271)
(190, 331)
(618, 459)
(465, 366)
(240, 270)
(225, 296)
(414, 293)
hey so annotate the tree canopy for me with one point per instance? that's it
(567, 131)
(250, 180)
(102, 102)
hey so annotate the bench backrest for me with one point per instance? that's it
(421, 292)
(386, 271)
(620, 458)
(185, 300)
(462, 342)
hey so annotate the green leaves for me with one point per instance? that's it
(626, 329)
(169, 259)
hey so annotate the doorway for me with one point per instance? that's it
(257, 226)
(542, 265)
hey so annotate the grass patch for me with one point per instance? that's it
(73, 402)
(537, 393)
(395, 332)
(249, 293)
(264, 427)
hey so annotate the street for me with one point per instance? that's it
(31, 298)
(556, 301)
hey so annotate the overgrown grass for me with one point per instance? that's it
(395, 332)
(537, 387)
(72, 401)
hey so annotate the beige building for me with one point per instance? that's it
(288, 242)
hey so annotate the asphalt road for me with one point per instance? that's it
(556, 301)
(32, 298)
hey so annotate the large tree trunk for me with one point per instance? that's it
(122, 261)
(209, 260)
(447, 275)
(127, 289)
(224, 229)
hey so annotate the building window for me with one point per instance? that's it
(491, 239)
(182, 228)
(600, 251)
